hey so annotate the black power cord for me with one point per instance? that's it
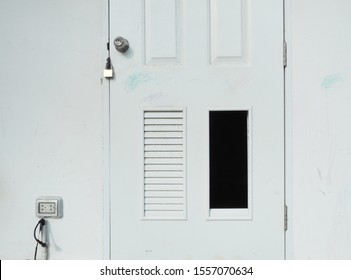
(41, 225)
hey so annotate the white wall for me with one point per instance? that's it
(321, 87)
(51, 125)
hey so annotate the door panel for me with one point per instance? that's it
(197, 130)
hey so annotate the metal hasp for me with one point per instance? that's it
(285, 54)
(121, 44)
(285, 217)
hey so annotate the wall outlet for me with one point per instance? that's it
(48, 207)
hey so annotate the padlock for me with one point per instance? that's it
(108, 71)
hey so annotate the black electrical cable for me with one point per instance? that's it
(41, 223)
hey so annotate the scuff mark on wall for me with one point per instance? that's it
(332, 81)
(154, 97)
(159, 99)
(319, 174)
(340, 232)
(137, 79)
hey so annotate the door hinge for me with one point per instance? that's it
(285, 54)
(285, 217)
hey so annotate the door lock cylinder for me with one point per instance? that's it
(121, 44)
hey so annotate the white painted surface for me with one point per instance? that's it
(162, 32)
(251, 78)
(321, 88)
(51, 125)
(164, 164)
(226, 29)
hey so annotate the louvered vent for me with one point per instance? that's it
(164, 160)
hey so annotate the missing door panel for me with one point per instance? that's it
(229, 161)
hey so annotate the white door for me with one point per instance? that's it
(197, 130)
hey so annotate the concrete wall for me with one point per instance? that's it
(51, 125)
(321, 115)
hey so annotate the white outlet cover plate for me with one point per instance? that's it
(56, 201)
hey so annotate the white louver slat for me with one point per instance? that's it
(164, 164)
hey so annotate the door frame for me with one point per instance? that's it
(288, 121)
(105, 53)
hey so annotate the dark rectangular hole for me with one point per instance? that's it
(228, 159)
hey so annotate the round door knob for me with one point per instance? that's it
(121, 44)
